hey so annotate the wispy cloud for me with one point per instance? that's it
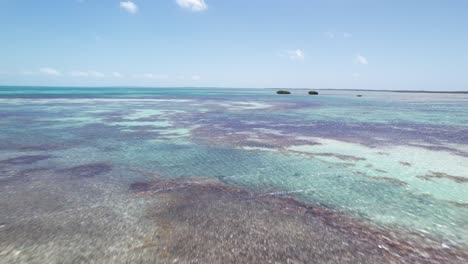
(50, 71)
(151, 76)
(116, 74)
(297, 54)
(329, 34)
(129, 6)
(96, 74)
(193, 5)
(347, 35)
(332, 35)
(196, 77)
(79, 74)
(359, 59)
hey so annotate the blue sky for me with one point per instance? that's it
(368, 44)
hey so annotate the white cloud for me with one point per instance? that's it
(196, 77)
(330, 34)
(79, 74)
(116, 74)
(356, 75)
(361, 59)
(50, 71)
(96, 74)
(131, 7)
(194, 5)
(296, 54)
(151, 76)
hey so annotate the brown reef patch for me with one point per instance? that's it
(458, 204)
(226, 136)
(41, 147)
(341, 157)
(25, 160)
(201, 220)
(338, 156)
(440, 175)
(382, 171)
(390, 180)
(404, 163)
(87, 170)
(7, 176)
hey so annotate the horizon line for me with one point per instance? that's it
(226, 87)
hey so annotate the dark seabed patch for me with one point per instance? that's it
(41, 147)
(383, 153)
(368, 134)
(458, 204)
(87, 170)
(341, 157)
(442, 148)
(440, 175)
(141, 187)
(9, 176)
(405, 163)
(390, 180)
(334, 155)
(24, 160)
(201, 220)
(382, 171)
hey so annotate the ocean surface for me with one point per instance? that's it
(145, 174)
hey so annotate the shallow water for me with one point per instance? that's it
(397, 161)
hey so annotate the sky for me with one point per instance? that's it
(339, 44)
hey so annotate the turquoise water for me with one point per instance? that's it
(398, 160)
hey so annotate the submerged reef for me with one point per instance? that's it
(405, 163)
(202, 220)
(390, 180)
(24, 160)
(87, 170)
(439, 175)
(8, 176)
